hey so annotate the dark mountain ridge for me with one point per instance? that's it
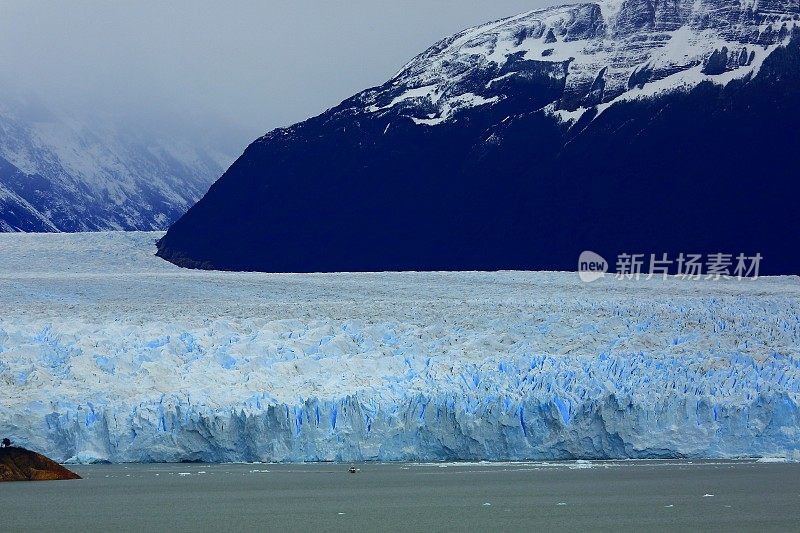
(465, 161)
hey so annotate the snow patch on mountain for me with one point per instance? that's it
(599, 51)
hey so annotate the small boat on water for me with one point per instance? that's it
(352, 469)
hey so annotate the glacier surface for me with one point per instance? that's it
(108, 353)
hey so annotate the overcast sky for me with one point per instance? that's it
(253, 64)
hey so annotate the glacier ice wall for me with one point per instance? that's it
(109, 354)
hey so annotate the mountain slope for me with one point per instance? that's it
(61, 173)
(614, 126)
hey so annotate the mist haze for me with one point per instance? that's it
(220, 71)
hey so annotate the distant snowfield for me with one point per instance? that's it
(108, 353)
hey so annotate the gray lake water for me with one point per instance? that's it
(627, 495)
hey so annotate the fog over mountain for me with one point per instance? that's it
(228, 70)
(121, 115)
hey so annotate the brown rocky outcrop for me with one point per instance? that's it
(19, 464)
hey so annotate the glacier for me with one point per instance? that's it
(108, 353)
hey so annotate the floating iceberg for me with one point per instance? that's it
(110, 354)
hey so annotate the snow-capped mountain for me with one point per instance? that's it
(613, 126)
(590, 53)
(62, 173)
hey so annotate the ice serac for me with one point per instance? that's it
(615, 126)
(224, 366)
